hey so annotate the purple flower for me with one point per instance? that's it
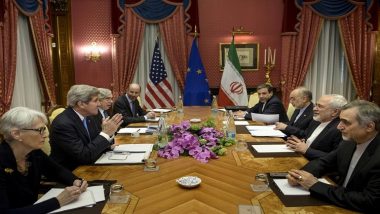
(183, 141)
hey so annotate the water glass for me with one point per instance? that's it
(118, 195)
(241, 146)
(260, 183)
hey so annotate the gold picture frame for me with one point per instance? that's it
(248, 54)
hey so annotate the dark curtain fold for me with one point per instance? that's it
(359, 43)
(44, 61)
(8, 47)
(297, 52)
(174, 37)
(128, 47)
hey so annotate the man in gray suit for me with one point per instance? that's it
(357, 162)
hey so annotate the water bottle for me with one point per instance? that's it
(230, 126)
(180, 105)
(214, 105)
(162, 132)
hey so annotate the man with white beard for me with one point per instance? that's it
(356, 161)
(322, 135)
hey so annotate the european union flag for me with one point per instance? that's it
(197, 92)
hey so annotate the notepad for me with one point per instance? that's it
(272, 148)
(129, 130)
(287, 189)
(132, 158)
(239, 123)
(90, 197)
(161, 110)
(133, 148)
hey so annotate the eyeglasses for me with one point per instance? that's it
(40, 130)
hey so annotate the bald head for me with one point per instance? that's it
(300, 97)
(133, 91)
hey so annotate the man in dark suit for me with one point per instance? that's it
(300, 98)
(130, 108)
(269, 104)
(357, 162)
(322, 135)
(74, 136)
(104, 109)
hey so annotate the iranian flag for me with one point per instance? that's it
(233, 91)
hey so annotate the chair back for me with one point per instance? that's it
(253, 99)
(54, 112)
(290, 111)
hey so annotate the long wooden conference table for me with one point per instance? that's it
(225, 181)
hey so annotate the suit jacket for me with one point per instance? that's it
(272, 106)
(99, 119)
(325, 142)
(362, 192)
(19, 192)
(295, 128)
(122, 106)
(71, 145)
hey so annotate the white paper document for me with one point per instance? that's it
(131, 158)
(286, 189)
(161, 110)
(90, 197)
(239, 123)
(265, 131)
(129, 130)
(272, 148)
(265, 118)
(133, 148)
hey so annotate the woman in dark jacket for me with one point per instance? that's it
(22, 163)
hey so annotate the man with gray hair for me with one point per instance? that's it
(104, 109)
(75, 138)
(322, 135)
(356, 161)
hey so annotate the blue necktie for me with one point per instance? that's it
(85, 126)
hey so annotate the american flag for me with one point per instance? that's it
(159, 93)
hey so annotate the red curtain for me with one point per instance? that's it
(174, 37)
(358, 43)
(8, 45)
(44, 60)
(128, 47)
(297, 52)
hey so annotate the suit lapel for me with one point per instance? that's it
(294, 116)
(332, 124)
(366, 156)
(79, 123)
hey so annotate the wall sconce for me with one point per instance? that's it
(240, 31)
(93, 52)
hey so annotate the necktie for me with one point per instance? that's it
(105, 114)
(133, 108)
(85, 126)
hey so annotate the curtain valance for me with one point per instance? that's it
(30, 7)
(334, 9)
(154, 11)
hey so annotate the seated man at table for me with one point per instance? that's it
(300, 98)
(322, 135)
(268, 104)
(130, 108)
(357, 162)
(104, 110)
(74, 137)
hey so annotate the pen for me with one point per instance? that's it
(138, 130)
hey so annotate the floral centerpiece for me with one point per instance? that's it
(201, 142)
